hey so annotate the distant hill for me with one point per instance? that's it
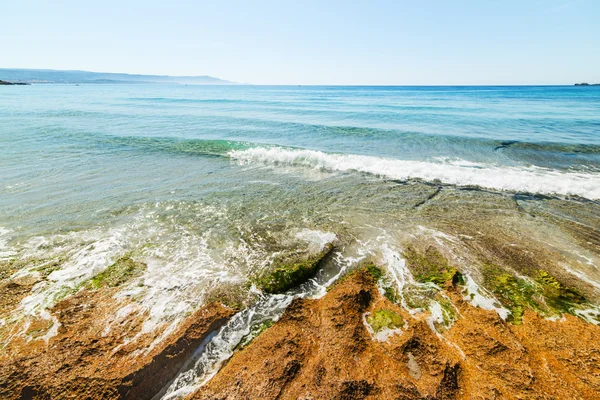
(12, 83)
(58, 76)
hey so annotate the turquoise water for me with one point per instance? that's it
(71, 154)
(205, 184)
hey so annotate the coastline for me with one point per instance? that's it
(5, 83)
(479, 280)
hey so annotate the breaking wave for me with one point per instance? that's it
(530, 179)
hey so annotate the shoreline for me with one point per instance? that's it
(460, 259)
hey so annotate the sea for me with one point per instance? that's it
(204, 184)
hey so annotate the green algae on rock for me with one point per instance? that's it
(557, 296)
(544, 294)
(390, 292)
(430, 266)
(255, 332)
(286, 276)
(374, 271)
(444, 312)
(384, 319)
(117, 273)
(516, 294)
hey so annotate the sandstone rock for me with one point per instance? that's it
(85, 361)
(322, 349)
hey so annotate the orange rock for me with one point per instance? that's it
(81, 361)
(321, 349)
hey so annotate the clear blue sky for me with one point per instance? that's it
(311, 42)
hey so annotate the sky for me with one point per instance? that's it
(323, 42)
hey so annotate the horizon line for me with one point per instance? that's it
(234, 83)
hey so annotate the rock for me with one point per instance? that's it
(293, 273)
(84, 360)
(333, 353)
(323, 349)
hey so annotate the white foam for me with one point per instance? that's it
(53, 331)
(401, 275)
(591, 314)
(180, 270)
(5, 251)
(480, 298)
(437, 315)
(581, 275)
(184, 263)
(457, 172)
(89, 254)
(318, 239)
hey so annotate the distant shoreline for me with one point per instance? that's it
(62, 76)
(5, 83)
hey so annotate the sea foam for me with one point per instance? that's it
(531, 179)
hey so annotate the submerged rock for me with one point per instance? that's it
(118, 273)
(293, 273)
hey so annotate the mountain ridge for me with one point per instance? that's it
(22, 75)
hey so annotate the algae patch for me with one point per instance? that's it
(544, 294)
(384, 319)
(430, 266)
(559, 297)
(389, 291)
(121, 271)
(374, 271)
(288, 275)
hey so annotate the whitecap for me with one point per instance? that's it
(530, 179)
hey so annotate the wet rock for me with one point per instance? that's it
(329, 340)
(118, 273)
(87, 360)
(429, 266)
(293, 273)
(323, 349)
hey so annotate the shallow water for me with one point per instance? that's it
(71, 154)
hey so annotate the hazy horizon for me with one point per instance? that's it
(283, 43)
(229, 82)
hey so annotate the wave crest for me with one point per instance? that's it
(529, 179)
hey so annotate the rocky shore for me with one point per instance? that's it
(333, 348)
(12, 83)
(493, 295)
